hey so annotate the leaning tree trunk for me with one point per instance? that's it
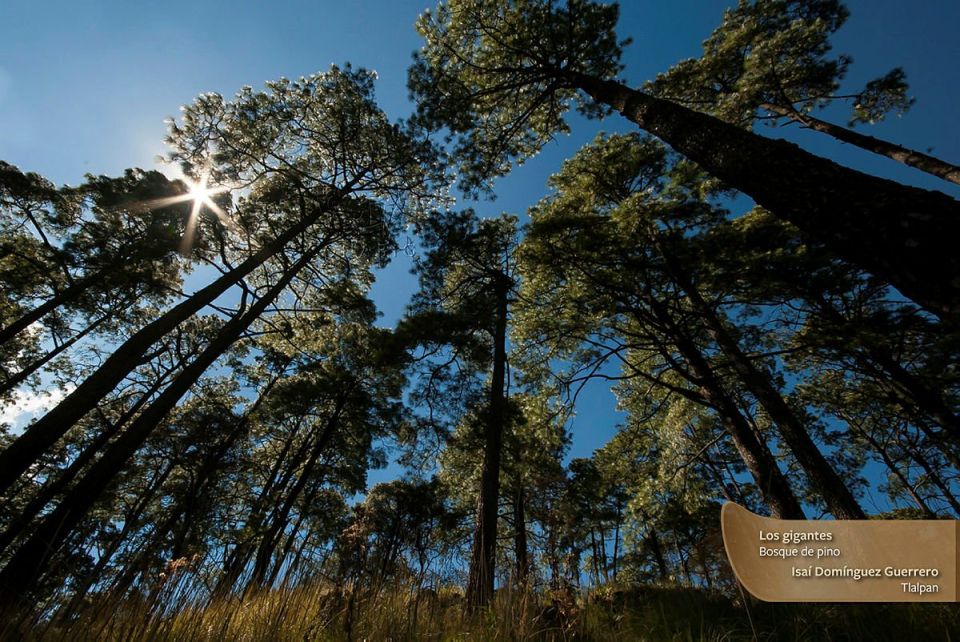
(904, 235)
(760, 462)
(68, 295)
(913, 158)
(824, 479)
(42, 434)
(483, 556)
(18, 378)
(21, 522)
(270, 539)
(31, 559)
(911, 393)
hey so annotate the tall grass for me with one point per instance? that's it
(321, 612)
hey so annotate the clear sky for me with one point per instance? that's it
(85, 86)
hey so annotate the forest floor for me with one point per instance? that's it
(640, 614)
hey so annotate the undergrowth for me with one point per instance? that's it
(319, 612)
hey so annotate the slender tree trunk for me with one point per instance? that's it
(239, 557)
(904, 235)
(18, 378)
(281, 517)
(684, 566)
(895, 470)
(186, 507)
(483, 557)
(912, 393)
(653, 542)
(31, 559)
(290, 540)
(616, 543)
(42, 434)
(48, 492)
(130, 520)
(553, 556)
(63, 297)
(595, 557)
(824, 479)
(756, 456)
(936, 480)
(919, 160)
(520, 536)
(602, 548)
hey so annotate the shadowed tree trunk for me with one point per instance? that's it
(281, 516)
(69, 294)
(483, 556)
(904, 235)
(51, 489)
(31, 559)
(756, 456)
(824, 479)
(520, 536)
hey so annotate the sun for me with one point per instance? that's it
(199, 191)
(202, 195)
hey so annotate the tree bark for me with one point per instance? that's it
(912, 393)
(69, 294)
(904, 235)
(483, 557)
(18, 378)
(895, 470)
(936, 479)
(520, 536)
(924, 162)
(51, 489)
(270, 539)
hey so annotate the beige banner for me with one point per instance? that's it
(780, 560)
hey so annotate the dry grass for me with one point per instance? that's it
(320, 613)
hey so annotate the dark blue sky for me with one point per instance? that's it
(85, 86)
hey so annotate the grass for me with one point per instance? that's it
(631, 614)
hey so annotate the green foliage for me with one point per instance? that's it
(497, 75)
(771, 58)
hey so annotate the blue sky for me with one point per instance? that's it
(85, 86)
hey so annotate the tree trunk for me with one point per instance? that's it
(912, 393)
(51, 489)
(756, 456)
(18, 378)
(616, 543)
(239, 557)
(65, 296)
(520, 537)
(130, 521)
(919, 160)
(483, 557)
(31, 559)
(936, 479)
(824, 479)
(42, 434)
(653, 542)
(904, 235)
(270, 539)
(895, 470)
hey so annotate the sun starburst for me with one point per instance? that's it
(202, 194)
